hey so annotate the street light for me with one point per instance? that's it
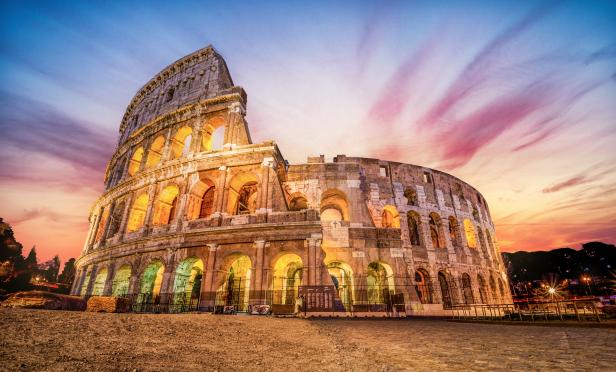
(586, 279)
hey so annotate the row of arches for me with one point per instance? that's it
(170, 147)
(454, 292)
(437, 232)
(233, 287)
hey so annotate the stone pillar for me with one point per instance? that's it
(151, 200)
(133, 284)
(107, 289)
(91, 280)
(86, 246)
(195, 145)
(125, 215)
(258, 290)
(208, 290)
(78, 278)
(315, 262)
(164, 156)
(220, 190)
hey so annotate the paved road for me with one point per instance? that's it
(77, 341)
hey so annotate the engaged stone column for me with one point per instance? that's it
(133, 284)
(107, 289)
(257, 295)
(93, 272)
(208, 292)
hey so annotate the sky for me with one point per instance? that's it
(516, 98)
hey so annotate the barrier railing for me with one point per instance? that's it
(580, 310)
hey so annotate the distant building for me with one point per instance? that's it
(235, 224)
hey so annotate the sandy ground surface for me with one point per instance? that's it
(77, 341)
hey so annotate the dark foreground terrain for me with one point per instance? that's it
(77, 341)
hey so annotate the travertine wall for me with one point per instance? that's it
(357, 214)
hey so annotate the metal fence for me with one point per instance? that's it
(580, 310)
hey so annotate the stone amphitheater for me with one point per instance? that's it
(195, 216)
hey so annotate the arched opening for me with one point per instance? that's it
(390, 218)
(121, 281)
(155, 152)
(423, 287)
(151, 281)
(116, 218)
(493, 292)
(99, 282)
(411, 196)
(180, 144)
(201, 199)
(413, 225)
(482, 243)
(467, 289)
(84, 285)
(136, 218)
(342, 277)
(135, 161)
(102, 223)
(491, 244)
(380, 281)
(243, 191)
(482, 289)
(334, 206)
(118, 172)
(288, 272)
(435, 228)
(235, 289)
(469, 230)
(298, 202)
(187, 281)
(445, 290)
(501, 288)
(454, 231)
(213, 134)
(166, 205)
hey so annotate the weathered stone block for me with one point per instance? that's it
(102, 304)
(44, 300)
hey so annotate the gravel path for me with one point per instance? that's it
(77, 341)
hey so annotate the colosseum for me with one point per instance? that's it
(195, 216)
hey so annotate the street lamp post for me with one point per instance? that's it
(586, 279)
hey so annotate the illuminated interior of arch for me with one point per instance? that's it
(155, 152)
(422, 286)
(99, 282)
(166, 205)
(334, 206)
(342, 277)
(201, 200)
(121, 281)
(181, 142)
(135, 161)
(287, 278)
(243, 194)
(469, 231)
(380, 280)
(136, 217)
(188, 277)
(235, 289)
(390, 218)
(152, 279)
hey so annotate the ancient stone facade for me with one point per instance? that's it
(193, 208)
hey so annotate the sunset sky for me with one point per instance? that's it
(516, 98)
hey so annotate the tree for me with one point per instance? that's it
(68, 273)
(49, 269)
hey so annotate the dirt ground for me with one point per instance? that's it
(76, 341)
